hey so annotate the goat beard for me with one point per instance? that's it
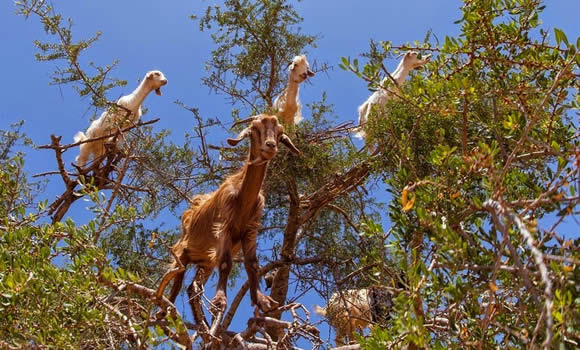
(158, 91)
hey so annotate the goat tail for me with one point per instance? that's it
(171, 273)
(79, 136)
(359, 133)
(297, 118)
(363, 113)
(83, 156)
(320, 310)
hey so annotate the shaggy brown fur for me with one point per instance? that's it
(219, 224)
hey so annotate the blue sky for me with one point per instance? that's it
(150, 34)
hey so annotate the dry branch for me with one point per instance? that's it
(334, 188)
(182, 335)
(99, 177)
(304, 209)
(496, 209)
(269, 267)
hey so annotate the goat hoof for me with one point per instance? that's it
(265, 303)
(219, 302)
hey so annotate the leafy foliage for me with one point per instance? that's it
(68, 50)
(492, 120)
(477, 150)
(254, 40)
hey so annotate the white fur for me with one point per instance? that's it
(380, 97)
(116, 117)
(347, 315)
(353, 310)
(288, 102)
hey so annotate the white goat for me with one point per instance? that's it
(380, 97)
(288, 102)
(117, 117)
(356, 309)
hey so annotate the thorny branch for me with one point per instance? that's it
(100, 174)
(496, 208)
(182, 335)
(265, 269)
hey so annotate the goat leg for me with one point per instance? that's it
(194, 291)
(220, 300)
(264, 302)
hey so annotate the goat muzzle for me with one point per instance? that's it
(158, 90)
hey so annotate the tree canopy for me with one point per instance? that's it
(479, 151)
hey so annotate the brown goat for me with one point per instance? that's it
(218, 224)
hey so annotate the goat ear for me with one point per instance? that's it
(292, 65)
(288, 143)
(242, 135)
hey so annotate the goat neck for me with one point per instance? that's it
(252, 176)
(401, 73)
(292, 89)
(134, 100)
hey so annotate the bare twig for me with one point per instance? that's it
(265, 269)
(496, 208)
(181, 337)
(115, 134)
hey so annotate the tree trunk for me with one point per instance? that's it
(280, 283)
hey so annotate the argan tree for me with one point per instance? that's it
(481, 154)
(479, 149)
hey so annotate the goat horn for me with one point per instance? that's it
(242, 135)
(288, 143)
(244, 121)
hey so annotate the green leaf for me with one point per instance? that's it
(560, 36)
(44, 252)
